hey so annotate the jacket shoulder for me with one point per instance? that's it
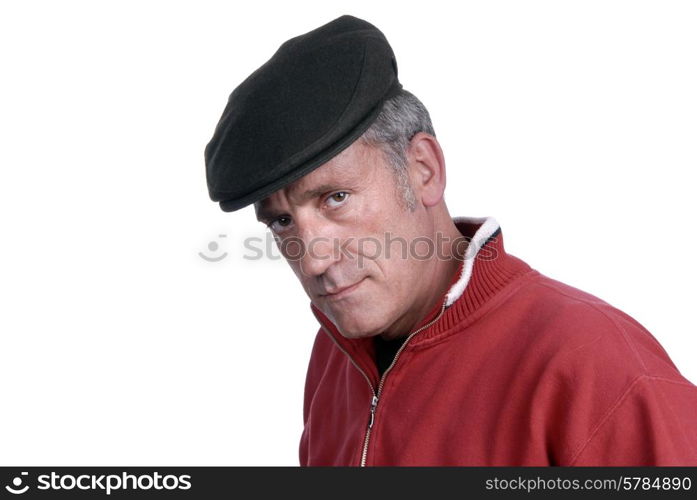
(606, 389)
(573, 321)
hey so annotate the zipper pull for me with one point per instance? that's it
(373, 404)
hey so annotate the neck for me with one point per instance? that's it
(441, 273)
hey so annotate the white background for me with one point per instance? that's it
(572, 123)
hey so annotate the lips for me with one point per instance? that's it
(343, 291)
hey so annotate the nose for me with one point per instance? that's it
(318, 255)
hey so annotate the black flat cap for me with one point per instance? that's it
(315, 96)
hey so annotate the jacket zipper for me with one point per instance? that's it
(376, 394)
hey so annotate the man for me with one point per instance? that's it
(436, 346)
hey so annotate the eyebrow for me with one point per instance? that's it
(264, 215)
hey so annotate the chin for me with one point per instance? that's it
(352, 330)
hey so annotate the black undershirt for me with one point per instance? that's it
(385, 351)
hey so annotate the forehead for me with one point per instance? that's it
(349, 167)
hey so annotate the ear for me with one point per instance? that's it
(427, 168)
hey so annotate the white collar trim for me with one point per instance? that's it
(488, 227)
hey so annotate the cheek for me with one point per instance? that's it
(369, 215)
(377, 237)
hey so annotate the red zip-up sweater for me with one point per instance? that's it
(512, 368)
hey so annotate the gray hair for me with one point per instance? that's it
(402, 117)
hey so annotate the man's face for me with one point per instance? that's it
(334, 226)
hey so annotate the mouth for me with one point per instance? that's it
(342, 292)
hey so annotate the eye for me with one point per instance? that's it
(338, 198)
(279, 223)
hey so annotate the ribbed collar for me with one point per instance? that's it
(485, 270)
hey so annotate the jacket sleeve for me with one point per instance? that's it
(654, 423)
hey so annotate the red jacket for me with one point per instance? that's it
(519, 369)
